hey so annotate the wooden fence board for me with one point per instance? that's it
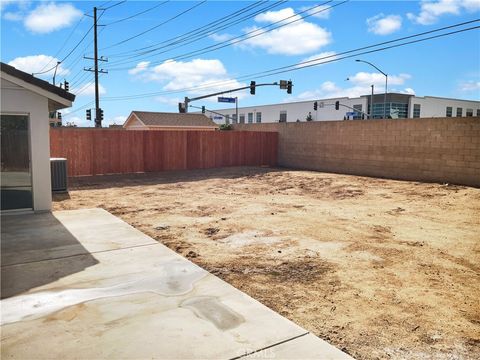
(105, 151)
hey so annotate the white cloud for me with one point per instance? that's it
(220, 37)
(172, 101)
(13, 16)
(470, 85)
(322, 57)
(141, 66)
(116, 120)
(274, 16)
(48, 17)
(178, 75)
(384, 25)
(298, 38)
(38, 63)
(409, 91)
(361, 85)
(320, 12)
(21, 4)
(431, 11)
(88, 89)
(377, 79)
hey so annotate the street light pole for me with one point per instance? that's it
(386, 86)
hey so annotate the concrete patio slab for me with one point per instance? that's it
(129, 297)
(21, 233)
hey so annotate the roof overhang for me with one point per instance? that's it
(57, 98)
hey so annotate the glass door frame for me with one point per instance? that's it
(30, 153)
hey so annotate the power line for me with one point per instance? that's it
(111, 6)
(244, 37)
(156, 26)
(84, 106)
(138, 14)
(207, 28)
(64, 43)
(316, 61)
(370, 51)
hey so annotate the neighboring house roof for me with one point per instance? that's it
(28, 78)
(172, 119)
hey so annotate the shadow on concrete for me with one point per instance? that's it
(165, 177)
(29, 245)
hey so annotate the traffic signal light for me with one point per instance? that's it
(252, 87)
(89, 114)
(315, 106)
(289, 87)
(100, 114)
(203, 109)
(59, 116)
(337, 105)
(66, 85)
(181, 107)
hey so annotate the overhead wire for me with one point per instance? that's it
(137, 14)
(111, 6)
(241, 38)
(317, 61)
(156, 26)
(64, 43)
(207, 28)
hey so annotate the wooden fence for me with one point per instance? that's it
(105, 151)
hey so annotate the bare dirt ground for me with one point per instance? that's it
(379, 268)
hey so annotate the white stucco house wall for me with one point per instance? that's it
(25, 105)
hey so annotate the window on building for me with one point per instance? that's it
(234, 118)
(250, 118)
(416, 110)
(459, 112)
(478, 112)
(469, 112)
(449, 111)
(358, 112)
(283, 116)
(259, 117)
(394, 110)
(242, 118)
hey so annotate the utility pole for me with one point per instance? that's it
(98, 110)
(95, 55)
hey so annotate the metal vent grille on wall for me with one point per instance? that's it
(58, 168)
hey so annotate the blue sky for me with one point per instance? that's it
(37, 34)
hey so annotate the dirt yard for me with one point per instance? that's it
(379, 268)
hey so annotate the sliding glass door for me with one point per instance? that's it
(16, 177)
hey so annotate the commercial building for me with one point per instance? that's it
(397, 106)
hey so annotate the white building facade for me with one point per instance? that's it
(397, 106)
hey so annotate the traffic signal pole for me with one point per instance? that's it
(184, 106)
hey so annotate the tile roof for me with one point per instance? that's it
(10, 70)
(173, 119)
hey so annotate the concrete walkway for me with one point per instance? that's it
(84, 284)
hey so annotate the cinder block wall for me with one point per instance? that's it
(445, 150)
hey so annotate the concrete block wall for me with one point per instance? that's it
(445, 150)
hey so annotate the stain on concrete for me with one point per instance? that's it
(211, 309)
(173, 278)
